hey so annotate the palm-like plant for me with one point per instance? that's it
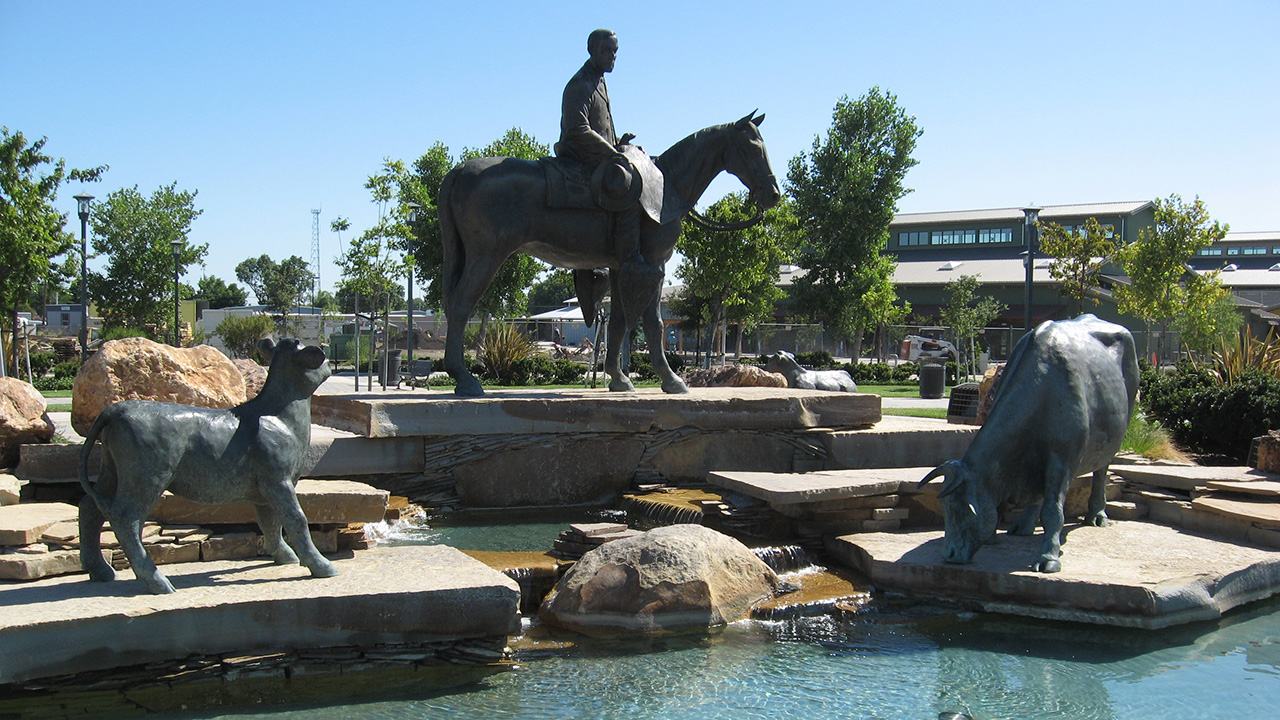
(1246, 353)
(504, 346)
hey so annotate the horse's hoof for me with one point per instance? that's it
(158, 585)
(102, 574)
(675, 387)
(285, 557)
(1099, 520)
(469, 387)
(621, 386)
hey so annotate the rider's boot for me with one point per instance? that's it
(627, 238)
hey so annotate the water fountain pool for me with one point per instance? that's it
(895, 659)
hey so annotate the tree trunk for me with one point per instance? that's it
(738, 348)
(855, 345)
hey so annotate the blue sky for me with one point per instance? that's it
(272, 109)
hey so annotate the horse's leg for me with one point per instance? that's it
(459, 306)
(618, 380)
(653, 332)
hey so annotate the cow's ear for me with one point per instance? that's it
(310, 357)
(266, 349)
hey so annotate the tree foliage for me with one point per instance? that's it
(735, 274)
(550, 292)
(507, 294)
(377, 259)
(967, 314)
(278, 286)
(1156, 261)
(846, 191)
(1080, 256)
(135, 233)
(31, 229)
(241, 333)
(219, 294)
(1210, 316)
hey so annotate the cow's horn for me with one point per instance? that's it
(940, 470)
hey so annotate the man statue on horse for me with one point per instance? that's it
(616, 168)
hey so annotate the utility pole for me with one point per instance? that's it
(315, 255)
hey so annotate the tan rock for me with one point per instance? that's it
(167, 553)
(10, 489)
(32, 567)
(139, 368)
(678, 576)
(231, 546)
(737, 375)
(985, 395)
(24, 524)
(1269, 453)
(22, 419)
(323, 502)
(255, 376)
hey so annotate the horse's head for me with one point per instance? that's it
(747, 159)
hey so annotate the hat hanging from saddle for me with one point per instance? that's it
(615, 185)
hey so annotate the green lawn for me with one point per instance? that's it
(897, 391)
(56, 393)
(58, 408)
(940, 413)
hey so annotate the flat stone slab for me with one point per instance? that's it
(401, 414)
(323, 502)
(23, 524)
(1187, 477)
(818, 486)
(10, 489)
(404, 594)
(1261, 488)
(1263, 513)
(1130, 574)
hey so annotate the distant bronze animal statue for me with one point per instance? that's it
(252, 452)
(785, 364)
(493, 207)
(1061, 409)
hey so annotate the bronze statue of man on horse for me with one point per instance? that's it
(602, 203)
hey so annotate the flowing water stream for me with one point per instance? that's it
(891, 658)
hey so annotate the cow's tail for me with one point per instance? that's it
(454, 254)
(99, 424)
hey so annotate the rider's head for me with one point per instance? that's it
(603, 46)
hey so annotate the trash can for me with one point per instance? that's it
(933, 376)
(389, 373)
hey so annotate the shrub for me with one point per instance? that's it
(642, 367)
(119, 332)
(241, 333)
(1150, 439)
(818, 360)
(68, 369)
(42, 362)
(1214, 419)
(45, 384)
(504, 353)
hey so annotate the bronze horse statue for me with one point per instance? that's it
(495, 206)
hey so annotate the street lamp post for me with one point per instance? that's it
(82, 208)
(408, 331)
(1031, 215)
(177, 314)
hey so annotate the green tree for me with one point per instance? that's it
(507, 294)
(31, 229)
(1080, 254)
(967, 314)
(219, 294)
(550, 292)
(278, 286)
(1210, 316)
(135, 233)
(241, 333)
(846, 191)
(1158, 290)
(736, 273)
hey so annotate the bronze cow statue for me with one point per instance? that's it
(1061, 409)
(252, 452)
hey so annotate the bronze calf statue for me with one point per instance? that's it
(251, 452)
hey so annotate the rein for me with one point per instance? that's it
(717, 226)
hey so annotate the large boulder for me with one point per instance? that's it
(736, 375)
(139, 368)
(22, 419)
(255, 376)
(680, 576)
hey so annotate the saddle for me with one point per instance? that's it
(618, 184)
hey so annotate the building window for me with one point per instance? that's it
(954, 237)
(913, 238)
(1253, 251)
(1233, 251)
(1209, 251)
(995, 235)
(1110, 230)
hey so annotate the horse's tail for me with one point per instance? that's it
(455, 255)
(104, 418)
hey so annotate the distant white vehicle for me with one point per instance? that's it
(915, 347)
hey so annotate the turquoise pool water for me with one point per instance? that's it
(895, 660)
